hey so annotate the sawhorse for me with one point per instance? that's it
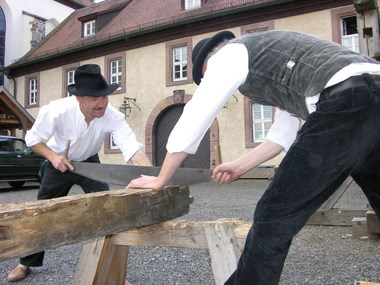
(104, 260)
(328, 215)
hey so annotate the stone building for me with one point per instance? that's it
(146, 47)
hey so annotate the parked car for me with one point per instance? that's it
(18, 163)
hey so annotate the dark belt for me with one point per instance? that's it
(353, 82)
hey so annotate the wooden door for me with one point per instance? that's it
(165, 124)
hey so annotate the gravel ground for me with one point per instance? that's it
(319, 255)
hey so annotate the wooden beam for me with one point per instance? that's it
(373, 222)
(335, 217)
(90, 260)
(103, 260)
(360, 229)
(180, 234)
(224, 251)
(334, 198)
(10, 122)
(46, 224)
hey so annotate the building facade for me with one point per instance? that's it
(23, 24)
(145, 46)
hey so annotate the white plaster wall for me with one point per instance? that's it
(18, 33)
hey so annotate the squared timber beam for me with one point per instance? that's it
(35, 226)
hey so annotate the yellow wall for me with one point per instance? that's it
(316, 23)
(146, 78)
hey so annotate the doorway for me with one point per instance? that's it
(164, 125)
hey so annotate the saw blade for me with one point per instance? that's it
(122, 174)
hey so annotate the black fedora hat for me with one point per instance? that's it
(90, 82)
(202, 49)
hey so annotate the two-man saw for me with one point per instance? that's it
(120, 174)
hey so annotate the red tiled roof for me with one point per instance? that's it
(135, 15)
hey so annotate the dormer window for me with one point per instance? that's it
(89, 28)
(93, 23)
(192, 4)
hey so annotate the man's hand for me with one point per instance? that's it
(146, 182)
(226, 173)
(171, 164)
(230, 171)
(61, 163)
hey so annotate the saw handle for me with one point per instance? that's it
(67, 148)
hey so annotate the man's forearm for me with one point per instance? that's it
(260, 154)
(171, 163)
(43, 150)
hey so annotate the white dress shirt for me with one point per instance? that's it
(62, 120)
(226, 71)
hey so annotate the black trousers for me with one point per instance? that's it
(56, 184)
(341, 138)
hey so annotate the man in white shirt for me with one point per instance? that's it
(85, 119)
(336, 92)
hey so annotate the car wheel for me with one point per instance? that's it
(17, 184)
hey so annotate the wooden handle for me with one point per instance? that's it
(67, 148)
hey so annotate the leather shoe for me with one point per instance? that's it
(18, 273)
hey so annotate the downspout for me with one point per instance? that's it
(6, 72)
(14, 86)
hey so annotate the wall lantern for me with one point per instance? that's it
(126, 107)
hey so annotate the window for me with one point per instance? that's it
(344, 27)
(349, 32)
(114, 70)
(178, 54)
(19, 145)
(70, 80)
(112, 143)
(258, 119)
(110, 146)
(261, 121)
(5, 144)
(89, 28)
(31, 90)
(180, 63)
(192, 4)
(68, 72)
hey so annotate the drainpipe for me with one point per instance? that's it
(6, 72)
(14, 86)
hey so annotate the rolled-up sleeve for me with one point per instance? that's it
(42, 129)
(284, 129)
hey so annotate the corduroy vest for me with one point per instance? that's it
(286, 66)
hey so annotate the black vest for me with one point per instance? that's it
(286, 66)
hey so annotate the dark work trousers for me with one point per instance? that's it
(341, 138)
(56, 184)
